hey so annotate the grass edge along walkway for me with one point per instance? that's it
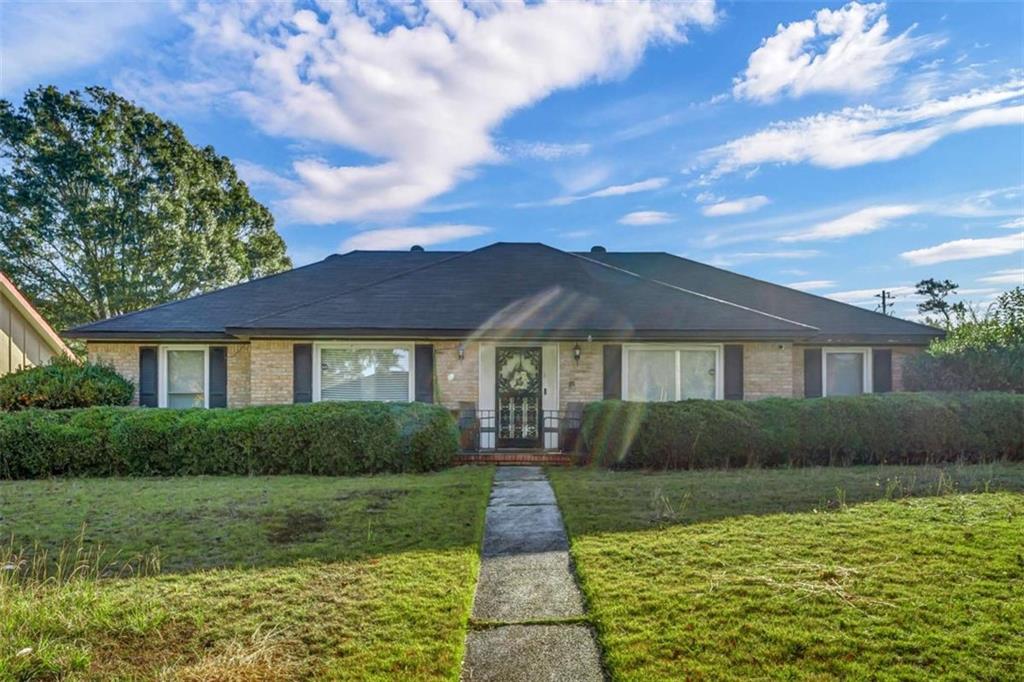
(529, 620)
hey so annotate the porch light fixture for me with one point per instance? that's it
(462, 352)
(577, 353)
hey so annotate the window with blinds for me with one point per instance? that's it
(364, 374)
(668, 374)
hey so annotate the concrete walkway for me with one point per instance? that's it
(526, 577)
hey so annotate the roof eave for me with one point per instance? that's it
(874, 339)
(508, 333)
(150, 336)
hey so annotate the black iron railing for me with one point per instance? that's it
(480, 431)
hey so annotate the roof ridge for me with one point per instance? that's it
(690, 291)
(346, 292)
(799, 291)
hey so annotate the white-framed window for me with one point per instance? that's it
(363, 371)
(845, 371)
(184, 376)
(653, 372)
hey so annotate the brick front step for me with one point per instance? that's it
(514, 458)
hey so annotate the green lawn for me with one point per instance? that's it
(257, 578)
(861, 573)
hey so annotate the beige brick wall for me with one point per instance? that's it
(239, 368)
(456, 380)
(767, 370)
(583, 382)
(798, 371)
(270, 374)
(123, 357)
(900, 356)
(260, 373)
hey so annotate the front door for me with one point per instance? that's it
(518, 393)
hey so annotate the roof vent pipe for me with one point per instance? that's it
(598, 249)
(416, 247)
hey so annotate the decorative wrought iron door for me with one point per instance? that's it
(518, 394)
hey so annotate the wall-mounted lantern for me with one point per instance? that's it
(577, 353)
(462, 352)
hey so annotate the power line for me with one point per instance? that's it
(887, 299)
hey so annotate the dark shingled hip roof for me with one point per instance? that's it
(509, 290)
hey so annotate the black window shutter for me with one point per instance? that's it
(302, 373)
(218, 376)
(812, 373)
(733, 379)
(881, 370)
(424, 373)
(613, 372)
(148, 380)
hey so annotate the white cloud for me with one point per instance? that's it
(989, 203)
(632, 188)
(861, 135)
(965, 249)
(546, 151)
(737, 258)
(812, 285)
(422, 98)
(612, 191)
(863, 221)
(736, 206)
(844, 50)
(576, 178)
(256, 175)
(405, 237)
(1014, 224)
(646, 218)
(868, 296)
(44, 39)
(1014, 276)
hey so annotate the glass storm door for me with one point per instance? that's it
(518, 397)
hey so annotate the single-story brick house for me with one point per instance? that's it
(513, 333)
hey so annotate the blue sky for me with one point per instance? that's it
(837, 148)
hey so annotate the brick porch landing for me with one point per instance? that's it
(514, 458)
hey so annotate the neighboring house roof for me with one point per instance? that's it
(505, 290)
(32, 316)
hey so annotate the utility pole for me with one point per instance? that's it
(887, 298)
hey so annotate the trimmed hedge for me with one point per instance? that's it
(321, 439)
(871, 429)
(63, 384)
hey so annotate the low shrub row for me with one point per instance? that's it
(872, 429)
(322, 438)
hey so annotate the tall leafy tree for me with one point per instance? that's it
(106, 208)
